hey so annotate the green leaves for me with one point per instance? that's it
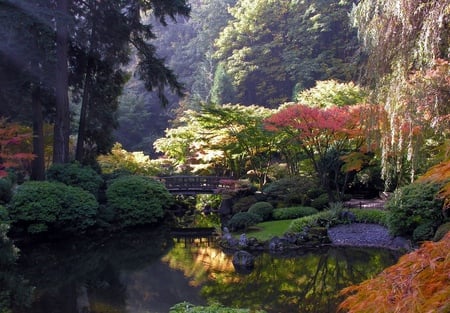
(137, 200)
(40, 206)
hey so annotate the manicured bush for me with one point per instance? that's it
(414, 205)
(321, 202)
(244, 203)
(293, 212)
(74, 174)
(263, 209)
(42, 206)
(423, 232)
(370, 216)
(243, 220)
(291, 191)
(441, 231)
(137, 200)
(324, 218)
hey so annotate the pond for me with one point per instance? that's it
(148, 271)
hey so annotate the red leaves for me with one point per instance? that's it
(310, 122)
(11, 151)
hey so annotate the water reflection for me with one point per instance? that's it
(307, 281)
(148, 272)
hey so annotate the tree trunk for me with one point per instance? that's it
(62, 120)
(38, 164)
(79, 153)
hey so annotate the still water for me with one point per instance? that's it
(148, 271)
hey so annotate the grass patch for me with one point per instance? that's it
(266, 230)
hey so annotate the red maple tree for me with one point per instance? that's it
(12, 153)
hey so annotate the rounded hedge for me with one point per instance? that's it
(424, 231)
(243, 220)
(52, 206)
(137, 200)
(412, 206)
(263, 209)
(74, 174)
(441, 231)
(321, 202)
(293, 212)
(297, 190)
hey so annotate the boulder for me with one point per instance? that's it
(243, 260)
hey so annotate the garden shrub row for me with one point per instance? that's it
(293, 212)
(331, 218)
(414, 212)
(43, 206)
(69, 201)
(243, 220)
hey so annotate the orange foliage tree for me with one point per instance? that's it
(13, 154)
(419, 282)
(440, 173)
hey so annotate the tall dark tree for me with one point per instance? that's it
(100, 57)
(62, 118)
(84, 47)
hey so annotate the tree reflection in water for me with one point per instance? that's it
(307, 281)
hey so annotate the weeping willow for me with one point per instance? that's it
(407, 45)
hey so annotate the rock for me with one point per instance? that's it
(243, 241)
(228, 240)
(347, 215)
(277, 244)
(401, 243)
(318, 235)
(243, 260)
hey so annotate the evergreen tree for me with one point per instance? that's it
(222, 90)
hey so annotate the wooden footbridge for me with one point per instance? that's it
(191, 185)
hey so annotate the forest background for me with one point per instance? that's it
(117, 66)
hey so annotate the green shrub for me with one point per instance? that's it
(42, 206)
(324, 218)
(244, 203)
(263, 209)
(441, 231)
(321, 202)
(291, 191)
(370, 216)
(423, 232)
(413, 205)
(5, 190)
(74, 174)
(243, 220)
(137, 200)
(4, 218)
(293, 212)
